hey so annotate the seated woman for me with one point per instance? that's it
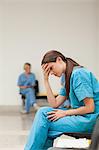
(82, 90)
(26, 83)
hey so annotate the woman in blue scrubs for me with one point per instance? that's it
(82, 90)
(26, 83)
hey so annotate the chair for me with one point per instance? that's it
(78, 135)
(95, 137)
(36, 87)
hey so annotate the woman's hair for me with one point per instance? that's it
(51, 56)
(27, 64)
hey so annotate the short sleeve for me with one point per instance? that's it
(62, 91)
(82, 85)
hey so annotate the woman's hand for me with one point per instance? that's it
(23, 87)
(56, 114)
(46, 71)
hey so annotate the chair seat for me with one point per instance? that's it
(56, 148)
(79, 135)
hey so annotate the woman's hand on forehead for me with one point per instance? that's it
(50, 66)
(46, 71)
(45, 67)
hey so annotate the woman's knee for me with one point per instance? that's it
(44, 110)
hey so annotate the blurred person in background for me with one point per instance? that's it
(26, 83)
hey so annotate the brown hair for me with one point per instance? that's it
(51, 56)
(27, 64)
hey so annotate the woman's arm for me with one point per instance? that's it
(88, 108)
(54, 102)
(24, 87)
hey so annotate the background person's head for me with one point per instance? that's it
(60, 64)
(27, 68)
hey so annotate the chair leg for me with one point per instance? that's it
(23, 102)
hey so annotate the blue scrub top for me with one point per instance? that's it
(25, 80)
(83, 84)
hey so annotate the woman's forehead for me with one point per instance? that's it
(51, 64)
(27, 66)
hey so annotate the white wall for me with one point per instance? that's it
(29, 28)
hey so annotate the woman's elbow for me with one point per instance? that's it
(54, 105)
(91, 109)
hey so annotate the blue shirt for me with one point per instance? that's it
(26, 80)
(83, 84)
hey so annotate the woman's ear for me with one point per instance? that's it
(58, 59)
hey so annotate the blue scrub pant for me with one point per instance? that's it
(44, 131)
(30, 98)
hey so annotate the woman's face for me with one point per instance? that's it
(27, 69)
(58, 67)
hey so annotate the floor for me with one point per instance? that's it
(14, 126)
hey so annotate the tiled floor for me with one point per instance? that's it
(14, 126)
